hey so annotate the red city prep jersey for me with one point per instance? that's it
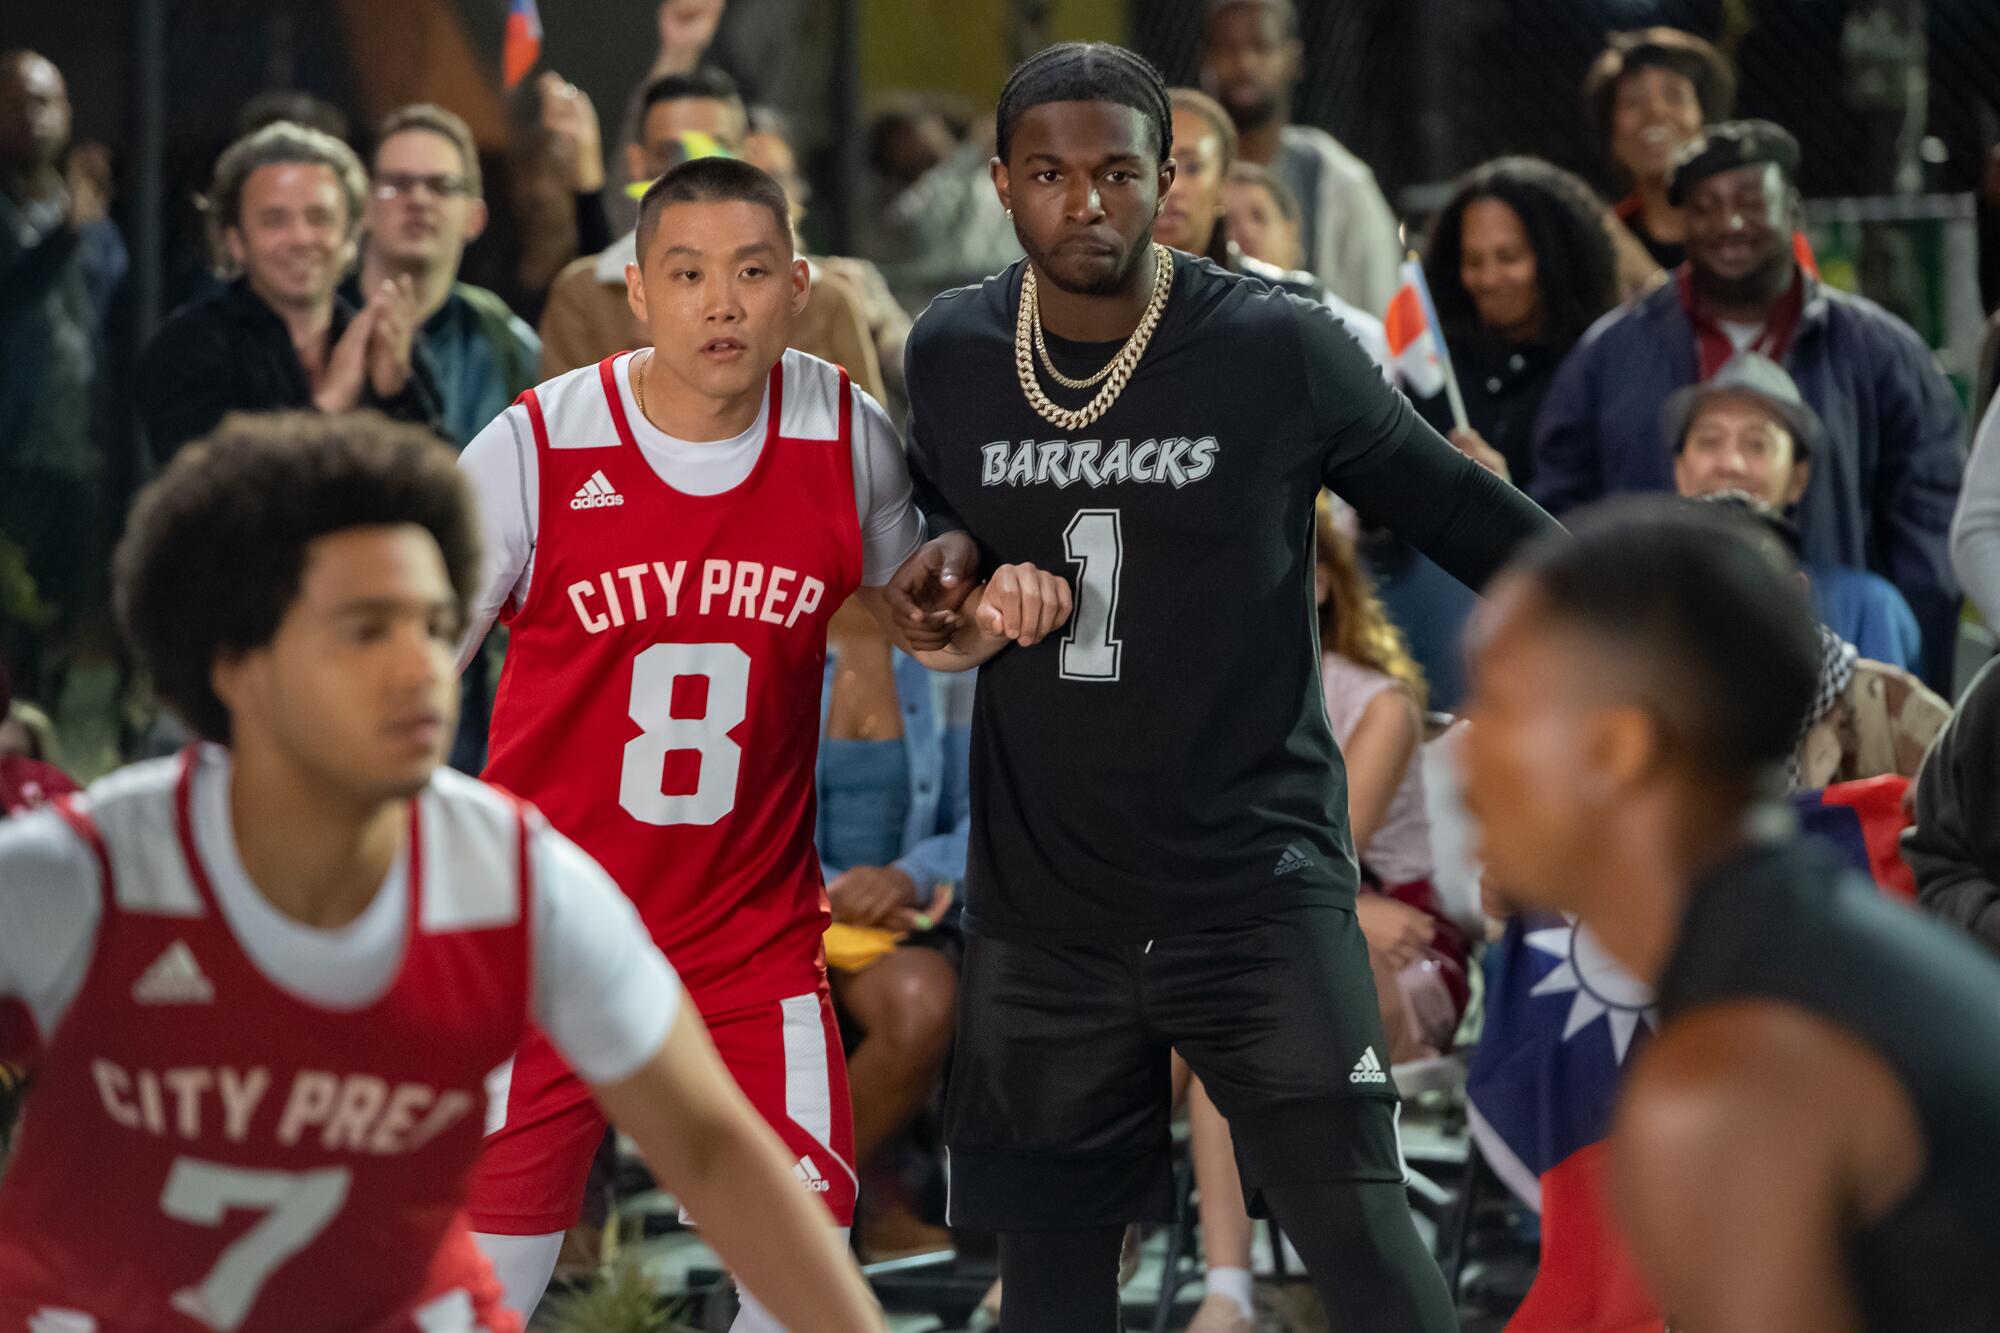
(660, 702)
(205, 1151)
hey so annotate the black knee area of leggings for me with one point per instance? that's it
(1060, 1281)
(1364, 1254)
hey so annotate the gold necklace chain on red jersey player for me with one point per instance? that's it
(639, 386)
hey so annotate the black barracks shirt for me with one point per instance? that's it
(1163, 763)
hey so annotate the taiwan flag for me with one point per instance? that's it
(522, 45)
(1865, 820)
(1563, 1020)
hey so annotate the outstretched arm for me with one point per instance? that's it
(1382, 458)
(700, 1134)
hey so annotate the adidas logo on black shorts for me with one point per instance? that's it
(1368, 1069)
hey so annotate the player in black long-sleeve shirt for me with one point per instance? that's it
(1159, 855)
(1806, 1143)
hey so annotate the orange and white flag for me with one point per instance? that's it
(1416, 346)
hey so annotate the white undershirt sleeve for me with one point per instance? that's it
(603, 991)
(500, 465)
(50, 902)
(891, 528)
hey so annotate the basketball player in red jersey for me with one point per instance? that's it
(668, 534)
(272, 978)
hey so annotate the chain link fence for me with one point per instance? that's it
(1896, 105)
(1886, 96)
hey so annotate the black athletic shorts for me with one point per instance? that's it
(1057, 1114)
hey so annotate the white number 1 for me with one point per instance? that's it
(300, 1203)
(1093, 540)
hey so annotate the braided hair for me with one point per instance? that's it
(1085, 72)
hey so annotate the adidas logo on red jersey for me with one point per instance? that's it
(809, 1176)
(597, 493)
(174, 978)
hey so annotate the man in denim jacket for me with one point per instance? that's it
(895, 814)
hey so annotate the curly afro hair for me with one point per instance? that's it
(216, 546)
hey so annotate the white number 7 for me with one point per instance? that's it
(301, 1205)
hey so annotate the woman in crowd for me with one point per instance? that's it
(893, 822)
(1375, 697)
(1519, 264)
(1375, 702)
(1649, 93)
(1264, 216)
(1193, 216)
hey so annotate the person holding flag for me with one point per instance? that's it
(1516, 267)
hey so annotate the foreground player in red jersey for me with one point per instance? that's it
(273, 977)
(669, 533)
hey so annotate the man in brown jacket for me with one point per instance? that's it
(587, 318)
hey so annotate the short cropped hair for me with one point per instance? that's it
(436, 120)
(708, 180)
(277, 143)
(702, 83)
(1715, 638)
(1085, 72)
(216, 547)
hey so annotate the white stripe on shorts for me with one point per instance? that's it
(499, 1088)
(808, 1081)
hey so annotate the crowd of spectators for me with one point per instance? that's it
(1675, 338)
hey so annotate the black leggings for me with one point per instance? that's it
(1060, 1281)
(1358, 1241)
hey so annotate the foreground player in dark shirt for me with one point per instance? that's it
(1159, 853)
(1807, 1142)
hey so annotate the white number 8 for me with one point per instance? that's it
(654, 671)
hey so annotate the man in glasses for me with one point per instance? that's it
(424, 208)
